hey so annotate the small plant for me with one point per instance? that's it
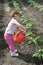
(30, 34)
(24, 18)
(30, 25)
(16, 5)
(39, 40)
(39, 54)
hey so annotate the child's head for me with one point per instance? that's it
(15, 14)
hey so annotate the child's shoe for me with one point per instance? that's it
(13, 53)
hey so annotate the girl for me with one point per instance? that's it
(10, 30)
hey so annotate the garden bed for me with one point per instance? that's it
(26, 52)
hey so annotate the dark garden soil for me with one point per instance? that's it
(25, 51)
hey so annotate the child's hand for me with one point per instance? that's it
(23, 31)
(21, 28)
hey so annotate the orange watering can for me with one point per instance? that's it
(19, 37)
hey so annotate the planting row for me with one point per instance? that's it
(33, 3)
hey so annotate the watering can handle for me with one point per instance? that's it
(17, 33)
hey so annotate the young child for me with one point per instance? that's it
(10, 30)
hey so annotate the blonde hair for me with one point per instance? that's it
(12, 13)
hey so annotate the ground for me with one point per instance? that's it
(24, 50)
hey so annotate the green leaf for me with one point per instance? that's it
(42, 55)
(39, 54)
(35, 55)
(29, 34)
(41, 9)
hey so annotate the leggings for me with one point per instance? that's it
(9, 40)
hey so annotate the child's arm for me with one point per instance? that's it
(21, 28)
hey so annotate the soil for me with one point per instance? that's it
(25, 51)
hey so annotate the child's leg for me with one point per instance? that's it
(9, 40)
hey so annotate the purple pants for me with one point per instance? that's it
(9, 40)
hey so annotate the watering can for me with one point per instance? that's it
(19, 37)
